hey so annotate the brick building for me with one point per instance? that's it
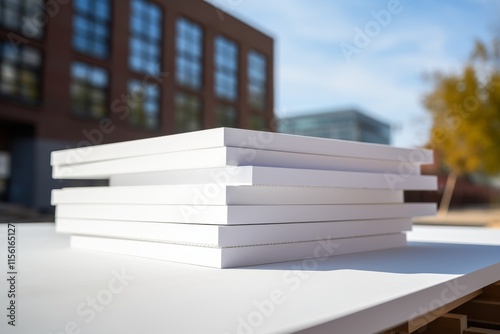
(97, 71)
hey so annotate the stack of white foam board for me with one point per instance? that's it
(230, 197)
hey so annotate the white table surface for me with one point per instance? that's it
(357, 293)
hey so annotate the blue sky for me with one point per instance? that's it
(384, 79)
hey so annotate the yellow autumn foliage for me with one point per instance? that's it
(465, 111)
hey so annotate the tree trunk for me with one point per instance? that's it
(447, 194)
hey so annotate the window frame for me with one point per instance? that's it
(201, 110)
(22, 9)
(265, 98)
(145, 39)
(232, 73)
(90, 36)
(143, 84)
(22, 66)
(189, 57)
(87, 113)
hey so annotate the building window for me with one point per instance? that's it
(89, 85)
(20, 73)
(20, 16)
(144, 104)
(91, 27)
(257, 80)
(226, 68)
(146, 35)
(257, 122)
(189, 40)
(227, 116)
(187, 113)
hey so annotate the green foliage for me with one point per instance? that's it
(465, 110)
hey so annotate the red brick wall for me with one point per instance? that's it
(53, 120)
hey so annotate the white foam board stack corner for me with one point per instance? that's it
(231, 197)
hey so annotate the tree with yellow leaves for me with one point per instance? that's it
(465, 110)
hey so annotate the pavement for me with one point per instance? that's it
(480, 217)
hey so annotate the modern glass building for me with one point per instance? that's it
(85, 72)
(342, 124)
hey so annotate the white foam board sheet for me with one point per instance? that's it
(228, 156)
(271, 176)
(240, 138)
(243, 214)
(231, 236)
(238, 256)
(218, 194)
